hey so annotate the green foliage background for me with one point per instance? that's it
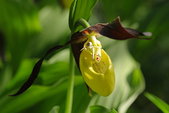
(28, 28)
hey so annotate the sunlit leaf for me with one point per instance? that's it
(80, 9)
(35, 95)
(113, 111)
(55, 30)
(98, 109)
(164, 107)
(101, 109)
(55, 109)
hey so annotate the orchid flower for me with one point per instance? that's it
(94, 63)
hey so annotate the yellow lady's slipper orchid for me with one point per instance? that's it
(96, 67)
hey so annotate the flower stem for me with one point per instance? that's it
(83, 23)
(69, 100)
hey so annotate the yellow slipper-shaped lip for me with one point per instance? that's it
(99, 75)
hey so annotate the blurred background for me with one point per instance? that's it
(28, 28)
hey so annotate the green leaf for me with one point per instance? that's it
(35, 95)
(101, 109)
(55, 29)
(113, 111)
(164, 107)
(98, 109)
(20, 23)
(80, 9)
(81, 98)
(55, 109)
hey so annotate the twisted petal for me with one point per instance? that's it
(36, 70)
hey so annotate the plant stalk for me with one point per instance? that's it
(69, 98)
(83, 23)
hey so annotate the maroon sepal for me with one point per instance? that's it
(116, 31)
(78, 39)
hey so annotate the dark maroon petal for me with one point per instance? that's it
(31, 79)
(116, 31)
(36, 70)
